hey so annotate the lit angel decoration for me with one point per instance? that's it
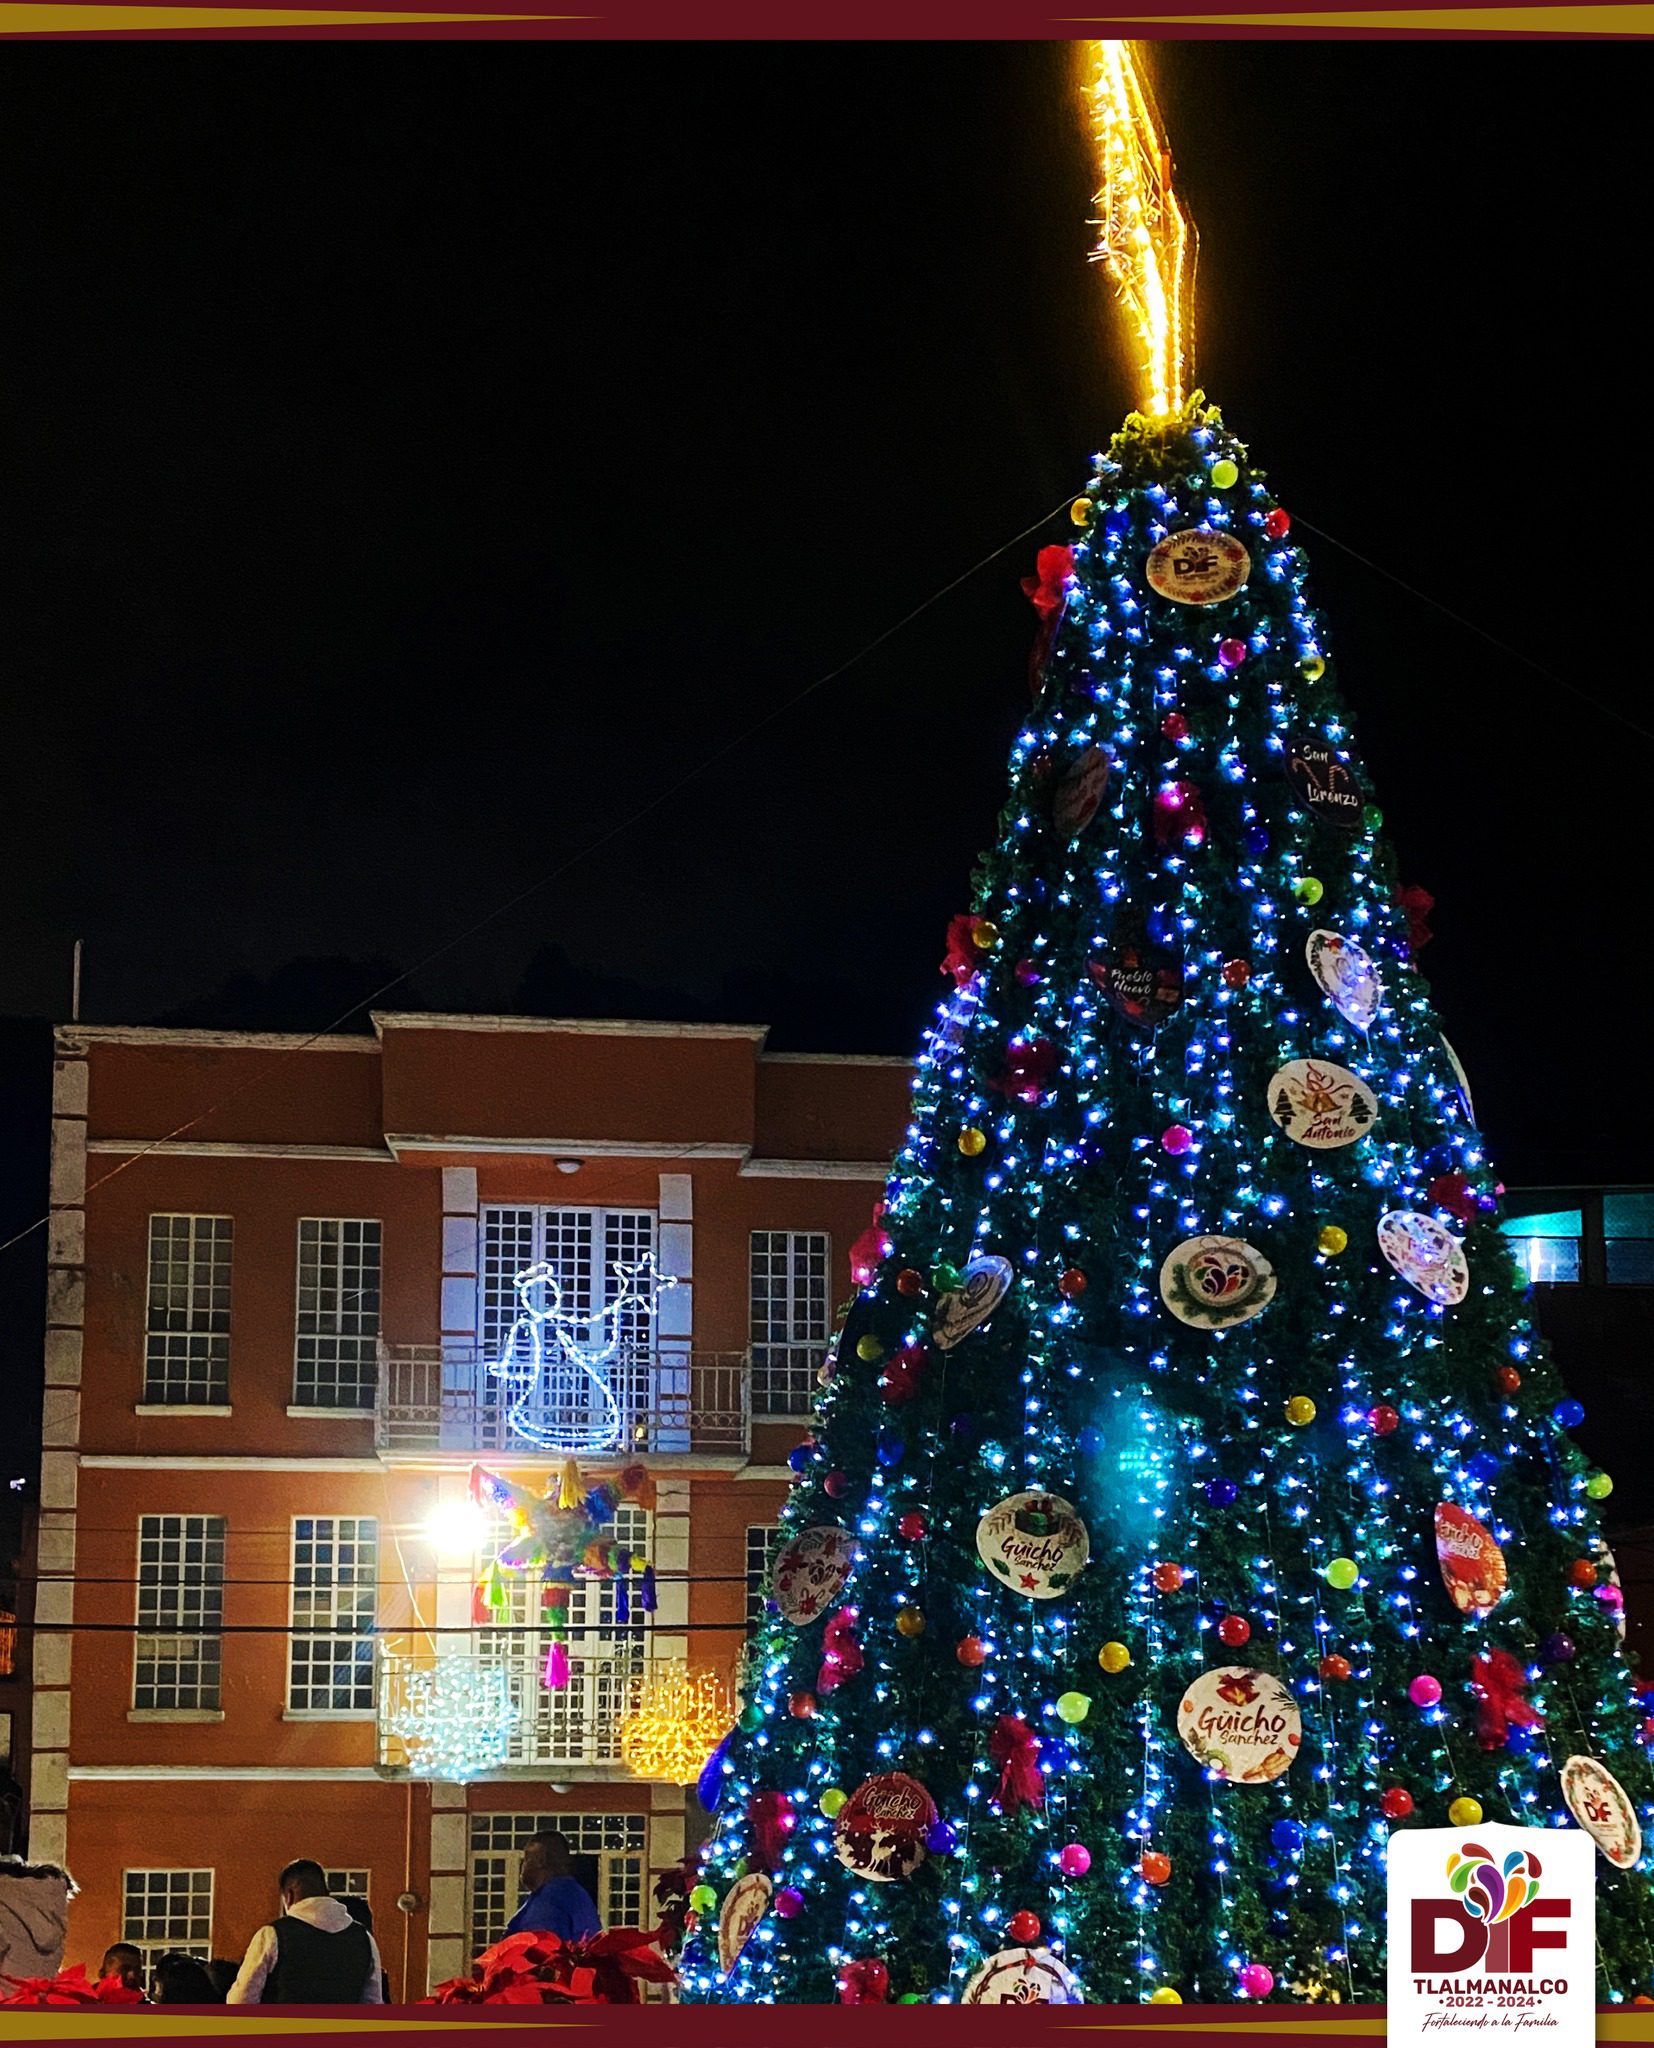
(557, 1534)
(547, 1343)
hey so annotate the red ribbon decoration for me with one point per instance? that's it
(864, 1983)
(840, 1651)
(1015, 1748)
(1418, 904)
(1499, 1682)
(964, 956)
(869, 1250)
(543, 1969)
(770, 1816)
(1048, 594)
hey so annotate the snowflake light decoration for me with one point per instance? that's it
(456, 1719)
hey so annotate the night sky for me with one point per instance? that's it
(418, 456)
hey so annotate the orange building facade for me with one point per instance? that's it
(279, 1274)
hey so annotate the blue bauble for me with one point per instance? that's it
(1162, 928)
(799, 1459)
(1568, 1414)
(1091, 1443)
(1483, 1466)
(890, 1448)
(963, 1429)
(1221, 1492)
(709, 1786)
(1287, 1836)
(1257, 840)
(940, 1838)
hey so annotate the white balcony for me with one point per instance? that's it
(656, 1403)
(575, 1728)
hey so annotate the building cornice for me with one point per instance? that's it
(244, 1148)
(582, 1027)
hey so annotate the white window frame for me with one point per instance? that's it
(181, 1334)
(619, 1841)
(784, 1367)
(357, 1710)
(758, 1575)
(185, 1615)
(193, 1916)
(338, 1351)
(344, 1884)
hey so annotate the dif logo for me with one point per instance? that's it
(1492, 1935)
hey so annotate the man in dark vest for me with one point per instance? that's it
(315, 1954)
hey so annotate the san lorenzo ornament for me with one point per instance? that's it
(1472, 1564)
(1425, 1255)
(1022, 1976)
(1345, 972)
(985, 1283)
(1208, 1282)
(1198, 566)
(811, 1571)
(745, 1904)
(1323, 784)
(1080, 792)
(880, 1830)
(1035, 1543)
(1320, 1105)
(1241, 1723)
(1598, 1801)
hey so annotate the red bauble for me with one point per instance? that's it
(1583, 1572)
(1175, 726)
(836, 1485)
(912, 1526)
(1176, 1139)
(1154, 1868)
(896, 1385)
(801, 1705)
(1236, 973)
(1028, 974)
(1277, 524)
(1452, 1192)
(1023, 1927)
(1397, 1802)
(1234, 1629)
(908, 1281)
(1507, 1379)
(1168, 1578)
(1072, 1283)
(1383, 1419)
(971, 1651)
(1335, 1668)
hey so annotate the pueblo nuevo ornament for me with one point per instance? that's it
(1080, 792)
(1207, 1282)
(1198, 566)
(1425, 1255)
(880, 1830)
(1143, 981)
(1320, 1105)
(811, 1571)
(1324, 785)
(1035, 1543)
(986, 1282)
(1022, 1976)
(1472, 1564)
(745, 1904)
(1598, 1801)
(1345, 972)
(1242, 1724)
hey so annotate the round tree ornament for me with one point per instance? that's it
(811, 1571)
(1320, 1105)
(1426, 1255)
(1323, 784)
(1198, 566)
(881, 1828)
(1080, 791)
(745, 1904)
(1598, 1801)
(1345, 974)
(1035, 1543)
(1241, 1723)
(983, 1285)
(1472, 1564)
(1023, 1976)
(1210, 1282)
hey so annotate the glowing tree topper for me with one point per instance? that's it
(557, 1535)
(546, 1336)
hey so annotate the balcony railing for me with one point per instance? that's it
(578, 1724)
(444, 1398)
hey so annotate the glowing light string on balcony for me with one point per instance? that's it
(547, 1336)
(680, 1717)
(557, 1537)
(1145, 240)
(456, 1719)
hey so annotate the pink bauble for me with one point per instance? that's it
(1610, 1596)
(1257, 1980)
(789, 1903)
(1176, 1139)
(1425, 1690)
(1231, 653)
(1075, 1860)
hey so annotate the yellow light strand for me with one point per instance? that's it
(1145, 240)
(680, 1718)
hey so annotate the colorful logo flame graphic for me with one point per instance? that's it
(1493, 1891)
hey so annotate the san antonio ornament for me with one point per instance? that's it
(1472, 1564)
(983, 1286)
(745, 1904)
(1023, 1976)
(1209, 1282)
(1320, 1105)
(1198, 566)
(1035, 1543)
(1242, 1724)
(880, 1830)
(1598, 1801)
(811, 1571)
(1080, 792)
(1323, 784)
(1345, 973)
(1425, 1255)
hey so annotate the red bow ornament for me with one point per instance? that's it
(840, 1651)
(771, 1817)
(1028, 1066)
(869, 1250)
(1014, 1746)
(1499, 1682)
(1047, 592)
(864, 1983)
(966, 951)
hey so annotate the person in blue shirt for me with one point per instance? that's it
(556, 1903)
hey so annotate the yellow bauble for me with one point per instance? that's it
(832, 1802)
(1073, 1707)
(1343, 1573)
(1333, 1239)
(1465, 1813)
(910, 1622)
(1080, 511)
(1300, 1411)
(972, 1141)
(869, 1348)
(986, 933)
(1114, 1657)
(1312, 668)
(1224, 473)
(1165, 1996)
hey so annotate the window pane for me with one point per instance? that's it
(164, 1910)
(187, 1325)
(789, 1318)
(1631, 1261)
(337, 1334)
(177, 1649)
(1547, 1261)
(335, 1573)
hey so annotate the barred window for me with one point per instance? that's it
(176, 1654)
(760, 1542)
(789, 1318)
(335, 1600)
(617, 1841)
(167, 1911)
(348, 1884)
(335, 1360)
(187, 1331)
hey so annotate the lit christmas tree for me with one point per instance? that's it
(1190, 1503)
